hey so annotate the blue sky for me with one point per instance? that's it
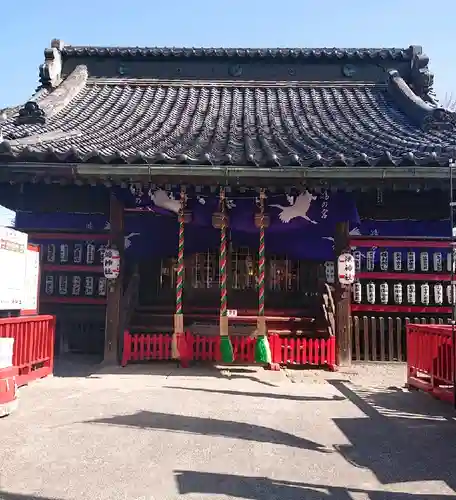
(28, 27)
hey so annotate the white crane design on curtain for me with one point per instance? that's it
(299, 208)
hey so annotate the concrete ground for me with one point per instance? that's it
(159, 432)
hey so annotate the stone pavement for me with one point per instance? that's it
(159, 433)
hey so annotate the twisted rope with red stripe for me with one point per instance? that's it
(261, 258)
(180, 256)
(222, 260)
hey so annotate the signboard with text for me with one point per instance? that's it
(30, 302)
(13, 263)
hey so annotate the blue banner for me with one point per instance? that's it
(301, 227)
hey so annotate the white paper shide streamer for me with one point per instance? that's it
(438, 294)
(424, 261)
(357, 292)
(371, 293)
(397, 293)
(411, 293)
(397, 261)
(384, 293)
(425, 293)
(411, 261)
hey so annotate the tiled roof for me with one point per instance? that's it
(277, 124)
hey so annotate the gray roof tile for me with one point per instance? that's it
(121, 120)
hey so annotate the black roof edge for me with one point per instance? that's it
(389, 53)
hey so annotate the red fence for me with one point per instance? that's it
(33, 353)
(431, 359)
(284, 350)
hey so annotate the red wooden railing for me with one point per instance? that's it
(284, 350)
(431, 359)
(33, 353)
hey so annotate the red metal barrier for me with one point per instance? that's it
(297, 351)
(33, 353)
(431, 359)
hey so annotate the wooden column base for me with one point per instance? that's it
(261, 326)
(178, 328)
(224, 325)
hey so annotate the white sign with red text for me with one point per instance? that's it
(346, 269)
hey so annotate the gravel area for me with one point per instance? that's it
(159, 432)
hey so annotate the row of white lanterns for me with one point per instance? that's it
(410, 293)
(77, 282)
(398, 265)
(78, 251)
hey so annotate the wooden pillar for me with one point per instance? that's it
(113, 324)
(342, 299)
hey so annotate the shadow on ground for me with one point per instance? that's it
(78, 365)
(406, 437)
(210, 427)
(261, 488)
(288, 397)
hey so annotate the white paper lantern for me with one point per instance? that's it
(102, 286)
(111, 263)
(384, 260)
(424, 261)
(438, 294)
(397, 292)
(384, 293)
(90, 253)
(438, 262)
(330, 271)
(88, 285)
(50, 254)
(450, 296)
(77, 253)
(49, 285)
(63, 253)
(357, 258)
(76, 285)
(371, 293)
(411, 261)
(357, 292)
(370, 260)
(63, 285)
(397, 261)
(425, 292)
(411, 293)
(451, 261)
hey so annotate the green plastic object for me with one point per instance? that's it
(226, 349)
(263, 350)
